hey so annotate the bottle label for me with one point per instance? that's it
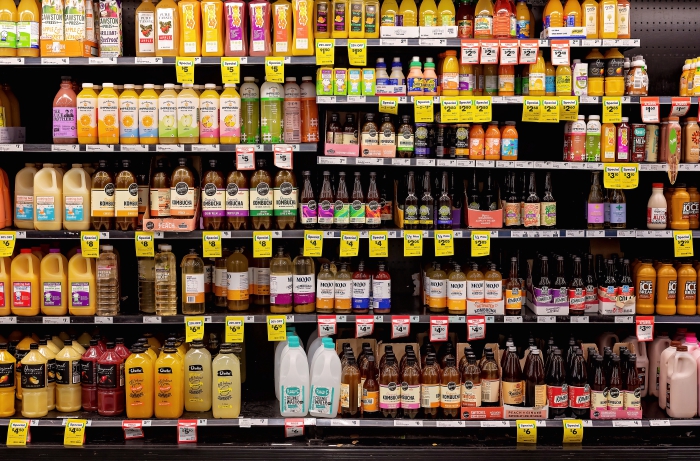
(195, 383)
(237, 286)
(220, 282)
(73, 209)
(360, 293)
(357, 212)
(194, 288)
(465, 28)
(341, 212)
(513, 298)
(615, 399)
(531, 218)
(126, 201)
(28, 34)
(24, 207)
(596, 213)
(389, 396)
(445, 215)
(430, 395)
(493, 290)
(224, 389)
(599, 400)
(322, 18)
(64, 122)
(307, 212)
(167, 114)
(213, 201)
(293, 399)
(325, 212)
(381, 294)
(67, 372)
(475, 290)
(425, 215)
(111, 376)
(483, 26)
(159, 203)
(558, 396)
(456, 294)
(625, 293)
(687, 210)
(450, 395)
(52, 294)
(577, 299)
(344, 395)
(285, 198)
(410, 395)
(415, 84)
(579, 396)
(513, 393)
(304, 287)
(322, 400)
(187, 113)
(234, 13)
(2, 295)
(512, 211)
(339, 18)
(618, 213)
(34, 376)
(490, 390)
(410, 215)
(237, 200)
(182, 200)
(632, 400)
(522, 28)
(7, 375)
(370, 138)
(230, 108)
(548, 214)
(146, 42)
(623, 20)
(645, 289)
(21, 294)
(540, 395)
(80, 294)
(281, 289)
(261, 200)
(471, 394)
(325, 294)
(209, 116)
(372, 213)
(343, 289)
(110, 29)
(690, 290)
(438, 293)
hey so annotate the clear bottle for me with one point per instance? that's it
(303, 284)
(198, 378)
(237, 290)
(107, 283)
(147, 284)
(281, 283)
(595, 212)
(341, 207)
(192, 284)
(343, 290)
(166, 281)
(618, 210)
(226, 383)
(325, 290)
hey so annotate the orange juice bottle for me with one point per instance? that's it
(281, 28)
(29, 17)
(8, 20)
(666, 288)
(35, 401)
(450, 74)
(81, 279)
(169, 383)
(589, 13)
(340, 23)
(138, 380)
(687, 289)
(357, 19)
(167, 28)
(212, 28)
(7, 382)
(108, 115)
(509, 142)
(550, 79)
(323, 19)
(506, 80)
(148, 115)
(25, 274)
(553, 15)
(303, 40)
(54, 283)
(492, 140)
(5, 284)
(483, 19)
(537, 75)
(129, 116)
(572, 14)
(563, 81)
(645, 280)
(86, 109)
(409, 11)
(190, 28)
(428, 14)
(476, 142)
(607, 19)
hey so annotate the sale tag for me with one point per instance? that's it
(90, 244)
(466, 109)
(357, 52)
(262, 244)
(423, 109)
(645, 328)
(531, 109)
(234, 329)
(470, 52)
(439, 328)
(482, 109)
(74, 434)
(612, 109)
(325, 51)
(132, 429)
(327, 325)
(231, 70)
(489, 53)
(621, 175)
(364, 325)
(449, 110)
(313, 243)
(388, 105)
(560, 52)
(679, 106)
(211, 242)
(245, 157)
(481, 243)
(509, 52)
(17, 432)
(573, 431)
(412, 243)
(7, 243)
(444, 243)
(186, 431)
(568, 108)
(400, 326)
(276, 327)
(144, 244)
(650, 109)
(378, 244)
(527, 431)
(528, 51)
(274, 69)
(184, 69)
(682, 244)
(476, 327)
(549, 112)
(293, 427)
(194, 329)
(283, 156)
(349, 244)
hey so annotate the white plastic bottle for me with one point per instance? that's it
(48, 192)
(660, 343)
(280, 349)
(682, 387)
(381, 77)
(314, 346)
(294, 381)
(666, 356)
(325, 382)
(292, 111)
(76, 199)
(397, 77)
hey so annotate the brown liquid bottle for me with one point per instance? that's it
(535, 386)
(633, 391)
(410, 387)
(430, 388)
(142, 181)
(557, 393)
(389, 349)
(471, 383)
(350, 388)
(408, 349)
(341, 207)
(126, 198)
(286, 198)
(159, 199)
(513, 384)
(261, 202)
(307, 204)
(220, 277)
(389, 390)
(450, 398)
(102, 198)
(373, 208)
(490, 382)
(183, 197)
(579, 390)
(325, 203)
(213, 198)
(237, 201)
(370, 391)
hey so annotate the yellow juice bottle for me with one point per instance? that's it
(323, 19)
(607, 27)
(25, 274)
(428, 13)
(129, 116)
(563, 83)
(68, 392)
(230, 120)
(167, 115)
(5, 285)
(341, 19)
(34, 384)
(7, 382)
(371, 21)
(190, 28)
(28, 26)
(357, 19)
(209, 115)
(537, 76)
(148, 115)
(108, 115)
(409, 13)
(188, 115)
(138, 383)
(81, 279)
(446, 13)
(212, 28)
(390, 8)
(50, 373)
(572, 14)
(281, 28)
(522, 18)
(589, 16)
(54, 283)
(167, 28)
(8, 28)
(553, 14)
(684, 78)
(303, 41)
(86, 114)
(226, 385)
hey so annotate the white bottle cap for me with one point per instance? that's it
(169, 86)
(108, 85)
(87, 85)
(306, 79)
(187, 85)
(210, 86)
(594, 117)
(149, 86)
(107, 247)
(248, 79)
(290, 79)
(166, 248)
(128, 86)
(229, 85)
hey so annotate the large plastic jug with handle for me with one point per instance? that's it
(54, 283)
(25, 283)
(81, 280)
(607, 339)
(294, 381)
(76, 199)
(24, 197)
(666, 357)
(325, 382)
(682, 387)
(5, 285)
(48, 193)
(660, 343)
(6, 215)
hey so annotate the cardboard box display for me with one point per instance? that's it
(490, 308)
(622, 304)
(68, 48)
(341, 150)
(356, 344)
(558, 302)
(386, 141)
(617, 413)
(483, 413)
(478, 219)
(512, 412)
(175, 224)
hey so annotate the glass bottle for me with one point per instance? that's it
(490, 381)
(213, 198)
(334, 135)
(579, 389)
(238, 282)
(386, 201)
(159, 201)
(535, 387)
(286, 198)
(260, 280)
(281, 282)
(410, 218)
(438, 290)
(107, 283)
(595, 205)
(166, 281)
(548, 206)
(126, 198)
(473, 197)
(102, 198)
(457, 291)
(618, 210)
(307, 203)
(304, 283)
(350, 388)
(183, 199)
(261, 197)
(349, 135)
(513, 293)
(389, 387)
(430, 388)
(325, 290)
(341, 208)
(471, 383)
(360, 290)
(531, 219)
(237, 200)
(405, 138)
(373, 208)
(559, 295)
(557, 389)
(577, 291)
(450, 395)
(489, 195)
(357, 206)
(513, 383)
(343, 290)
(444, 213)
(427, 204)
(381, 291)
(220, 280)
(192, 284)
(325, 203)
(370, 391)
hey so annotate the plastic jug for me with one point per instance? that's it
(54, 283)
(657, 347)
(643, 370)
(280, 349)
(294, 381)
(315, 346)
(666, 356)
(81, 279)
(682, 387)
(76, 199)
(5, 284)
(607, 339)
(6, 212)
(24, 197)
(25, 283)
(325, 382)
(48, 192)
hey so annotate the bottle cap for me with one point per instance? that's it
(34, 346)
(88, 85)
(293, 341)
(108, 85)
(129, 86)
(210, 86)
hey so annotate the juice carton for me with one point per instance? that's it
(368, 82)
(340, 77)
(52, 20)
(74, 18)
(111, 44)
(354, 82)
(324, 81)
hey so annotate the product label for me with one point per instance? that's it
(325, 294)
(73, 209)
(88, 372)
(2, 295)
(512, 212)
(213, 201)
(548, 214)
(237, 200)
(579, 397)
(456, 294)
(615, 399)
(531, 218)
(209, 117)
(164, 381)
(146, 42)
(281, 289)
(224, 389)
(126, 201)
(28, 34)
(67, 372)
(45, 209)
(360, 293)
(483, 26)
(237, 288)
(24, 207)
(187, 114)
(7, 375)
(410, 395)
(381, 294)
(51, 21)
(577, 299)
(513, 393)
(22, 294)
(493, 290)
(513, 298)
(8, 34)
(618, 213)
(558, 396)
(194, 288)
(52, 294)
(430, 395)
(64, 122)
(110, 28)
(322, 400)
(450, 395)
(34, 376)
(341, 212)
(304, 289)
(632, 399)
(599, 400)
(285, 200)
(167, 115)
(234, 14)
(475, 290)
(261, 201)
(389, 396)
(229, 113)
(159, 202)
(596, 213)
(111, 376)
(182, 200)
(471, 394)
(490, 390)
(325, 212)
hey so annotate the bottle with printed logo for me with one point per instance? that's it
(261, 197)
(513, 383)
(213, 197)
(126, 198)
(226, 384)
(325, 203)
(8, 384)
(138, 378)
(381, 291)
(281, 283)
(666, 288)
(687, 289)
(237, 200)
(457, 291)
(389, 387)
(430, 388)
(343, 290)
(360, 290)
(341, 206)
(50, 372)
(410, 387)
(166, 281)
(513, 303)
(579, 389)
(35, 399)
(325, 290)
(110, 383)
(183, 199)
(107, 283)
(159, 189)
(192, 284)
(475, 284)
(237, 289)
(169, 382)
(438, 290)
(350, 387)
(308, 207)
(577, 291)
(25, 275)
(286, 198)
(535, 387)
(493, 285)
(450, 390)
(555, 379)
(304, 285)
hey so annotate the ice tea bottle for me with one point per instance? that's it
(166, 282)
(237, 291)
(226, 385)
(35, 399)
(281, 283)
(192, 284)
(261, 197)
(237, 200)
(286, 197)
(213, 198)
(138, 378)
(198, 378)
(68, 395)
(110, 382)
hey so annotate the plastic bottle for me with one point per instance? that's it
(294, 381)
(50, 373)
(235, 28)
(48, 191)
(76, 199)
(450, 74)
(686, 289)
(24, 197)
(483, 19)
(229, 118)
(589, 20)
(681, 394)
(324, 375)
(309, 111)
(128, 116)
(25, 284)
(292, 111)
(226, 384)
(166, 281)
(409, 12)
(82, 283)
(666, 289)
(167, 115)
(86, 115)
(430, 80)
(537, 76)
(614, 78)
(428, 14)
(467, 81)
(187, 115)
(281, 28)
(8, 365)
(509, 142)
(64, 114)
(250, 112)
(28, 27)
(108, 115)
(107, 283)
(553, 15)
(54, 280)
(492, 139)
(340, 19)
(169, 380)
(5, 287)
(35, 399)
(198, 378)
(68, 395)
(139, 382)
(209, 115)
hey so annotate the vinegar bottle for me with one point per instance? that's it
(198, 378)
(166, 282)
(192, 284)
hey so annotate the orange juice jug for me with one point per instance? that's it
(138, 383)
(48, 193)
(492, 142)
(537, 75)
(553, 15)
(589, 14)
(6, 200)
(35, 401)
(281, 28)
(446, 13)
(645, 279)
(167, 28)
(190, 28)
(28, 27)
(572, 14)
(21, 351)
(108, 115)
(54, 283)
(8, 28)
(86, 114)
(212, 28)
(50, 372)
(687, 289)
(81, 280)
(7, 382)
(666, 289)
(76, 199)
(303, 40)
(5, 284)
(68, 392)
(129, 116)
(607, 18)
(24, 197)
(169, 384)
(450, 74)
(25, 273)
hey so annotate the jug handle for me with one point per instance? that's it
(83, 183)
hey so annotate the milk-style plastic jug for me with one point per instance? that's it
(666, 356)
(682, 387)
(280, 349)
(81, 280)
(325, 382)
(294, 381)
(25, 273)
(76, 199)
(6, 202)
(5, 286)
(660, 343)
(607, 339)
(314, 346)
(48, 195)
(54, 283)
(24, 197)
(640, 348)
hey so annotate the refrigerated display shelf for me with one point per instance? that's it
(494, 99)
(140, 61)
(452, 42)
(162, 148)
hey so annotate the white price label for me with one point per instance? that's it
(659, 422)
(65, 148)
(99, 148)
(11, 147)
(327, 325)
(513, 319)
(560, 52)
(578, 319)
(489, 53)
(56, 320)
(400, 326)
(439, 327)
(364, 325)
(132, 429)
(476, 327)
(102, 60)
(54, 61)
(650, 110)
(624, 319)
(546, 319)
(645, 328)
(470, 52)
(151, 319)
(283, 156)
(11, 61)
(245, 158)
(144, 60)
(528, 51)
(8, 320)
(627, 423)
(104, 319)
(509, 52)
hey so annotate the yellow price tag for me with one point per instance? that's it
(74, 434)
(325, 51)
(17, 432)
(423, 109)
(568, 108)
(549, 112)
(388, 105)
(276, 328)
(444, 243)
(682, 243)
(621, 175)
(144, 244)
(573, 431)
(349, 244)
(482, 109)
(184, 69)
(357, 52)
(466, 110)
(481, 243)
(612, 109)
(231, 70)
(194, 328)
(412, 243)
(274, 69)
(449, 109)
(531, 109)
(90, 244)
(211, 242)
(527, 431)
(7, 243)
(313, 243)
(378, 244)
(262, 244)
(234, 329)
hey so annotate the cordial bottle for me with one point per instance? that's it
(450, 395)
(357, 206)
(213, 198)
(261, 202)
(513, 383)
(579, 390)
(535, 387)
(557, 389)
(325, 203)
(373, 208)
(237, 200)
(360, 290)
(490, 382)
(389, 390)
(307, 204)
(430, 388)
(285, 196)
(410, 388)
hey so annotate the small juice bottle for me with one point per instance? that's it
(129, 116)
(146, 31)
(509, 142)
(550, 79)
(607, 27)
(623, 21)
(572, 14)
(108, 115)
(190, 28)
(428, 13)
(54, 281)
(409, 13)
(8, 18)
(281, 30)
(466, 80)
(483, 19)
(446, 13)
(167, 28)
(25, 283)
(537, 76)
(450, 74)
(260, 40)
(169, 382)
(212, 28)
(563, 81)
(188, 115)
(589, 14)
(371, 22)
(303, 39)
(357, 19)
(209, 115)
(506, 80)
(553, 15)
(414, 80)
(322, 18)
(86, 114)
(226, 385)
(167, 115)
(230, 107)
(476, 142)
(492, 140)
(430, 79)
(340, 19)
(522, 18)
(148, 115)
(138, 381)
(490, 79)
(8, 364)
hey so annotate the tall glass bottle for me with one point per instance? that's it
(250, 111)
(107, 283)
(535, 386)
(238, 283)
(444, 213)
(286, 197)
(237, 200)
(457, 291)
(427, 204)
(357, 204)
(343, 290)
(513, 383)
(557, 390)
(281, 282)
(596, 207)
(579, 390)
(373, 208)
(410, 217)
(618, 210)
(213, 197)
(370, 391)
(548, 206)
(430, 388)
(325, 290)
(513, 292)
(304, 283)
(308, 213)
(183, 183)
(166, 281)
(512, 208)
(360, 290)
(226, 383)
(531, 218)
(192, 284)
(410, 388)
(450, 390)
(389, 387)
(198, 378)
(102, 198)
(490, 381)
(471, 383)
(261, 197)
(350, 388)
(341, 207)
(577, 291)
(126, 198)
(325, 203)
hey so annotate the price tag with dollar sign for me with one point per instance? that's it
(90, 244)
(444, 243)
(17, 432)
(612, 109)
(349, 244)
(476, 327)
(682, 244)
(327, 325)
(144, 244)
(276, 327)
(412, 243)
(74, 434)
(378, 244)
(231, 70)
(7, 243)
(211, 242)
(439, 328)
(481, 243)
(527, 431)
(234, 329)
(194, 328)
(262, 244)
(400, 326)
(274, 69)
(313, 243)
(645, 328)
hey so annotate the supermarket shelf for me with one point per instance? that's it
(543, 43)
(164, 148)
(494, 99)
(133, 61)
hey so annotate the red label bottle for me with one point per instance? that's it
(110, 382)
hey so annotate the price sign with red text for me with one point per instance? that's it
(509, 52)
(470, 52)
(187, 431)
(400, 326)
(327, 325)
(560, 52)
(476, 327)
(283, 156)
(293, 427)
(645, 328)
(489, 53)
(364, 325)
(132, 429)
(650, 110)
(528, 51)
(679, 107)
(245, 157)
(439, 328)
